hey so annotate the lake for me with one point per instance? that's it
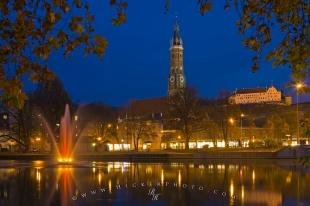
(263, 182)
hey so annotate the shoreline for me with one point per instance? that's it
(285, 153)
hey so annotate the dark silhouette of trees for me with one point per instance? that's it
(21, 125)
(139, 130)
(47, 101)
(50, 99)
(184, 110)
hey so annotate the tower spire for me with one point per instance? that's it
(176, 80)
(176, 37)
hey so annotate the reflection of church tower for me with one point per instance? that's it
(176, 79)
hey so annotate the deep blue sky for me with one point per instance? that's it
(136, 63)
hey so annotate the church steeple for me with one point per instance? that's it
(176, 38)
(176, 79)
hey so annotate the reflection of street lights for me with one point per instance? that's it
(298, 87)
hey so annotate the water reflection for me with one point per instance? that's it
(123, 183)
(66, 184)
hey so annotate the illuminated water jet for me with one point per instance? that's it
(65, 146)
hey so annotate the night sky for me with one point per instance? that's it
(136, 63)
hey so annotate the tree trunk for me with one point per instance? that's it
(187, 136)
(136, 143)
(214, 142)
(186, 142)
(224, 131)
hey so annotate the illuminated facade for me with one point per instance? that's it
(256, 95)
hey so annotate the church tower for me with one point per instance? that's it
(176, 80)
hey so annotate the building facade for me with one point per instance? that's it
(257, 95)
(176, 79)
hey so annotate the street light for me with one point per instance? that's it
(298, 87)
(231, 120)
(241, 116)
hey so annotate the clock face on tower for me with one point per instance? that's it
(181, 79)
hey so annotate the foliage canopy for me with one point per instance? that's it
(31, 30)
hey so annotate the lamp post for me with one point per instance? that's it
(231, 121)
(241, 116)
(298, 87)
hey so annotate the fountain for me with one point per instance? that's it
(66, 145)
(65, 138)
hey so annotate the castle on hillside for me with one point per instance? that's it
(258, 96)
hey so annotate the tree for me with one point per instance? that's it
(183, 108)
(32, 30)
(305, 126)
(258, 19)
(103, 132)
(47, 101)
(222, 115)
(50, 98)
(139, 129)
(112, 132)
(21, 125)
(212, 129)
(277, 129)
(96, 122)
